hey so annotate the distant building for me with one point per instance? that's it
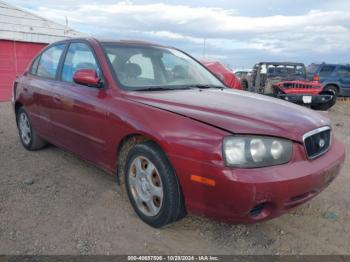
(22, 36)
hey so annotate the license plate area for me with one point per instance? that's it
(307, 99)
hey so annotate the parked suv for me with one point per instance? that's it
(335, 77)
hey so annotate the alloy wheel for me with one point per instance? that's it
(25, 129)
(146, 186)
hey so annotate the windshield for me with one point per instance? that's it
(286, 70)
(146, 67)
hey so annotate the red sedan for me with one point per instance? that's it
(167, 128)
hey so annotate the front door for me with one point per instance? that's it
(79, 122)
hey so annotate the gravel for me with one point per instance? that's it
(51, 202)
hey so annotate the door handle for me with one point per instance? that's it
(57, 99)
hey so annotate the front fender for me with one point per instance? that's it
(177, 135)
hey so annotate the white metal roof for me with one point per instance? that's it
(20, 25)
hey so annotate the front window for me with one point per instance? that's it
(79, 56)
(327, 70)
(140, 67)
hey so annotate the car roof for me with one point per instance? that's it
(281, 63)
(337, 64)
(119, 41)
(328, 64)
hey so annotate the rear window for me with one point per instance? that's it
(327, 70)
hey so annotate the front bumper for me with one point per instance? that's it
(306, 99)
(244, 196)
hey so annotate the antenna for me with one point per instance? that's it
(204, 43)
(66, 30)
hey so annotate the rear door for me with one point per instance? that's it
(40, 81)
(80, 119)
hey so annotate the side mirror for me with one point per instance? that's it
(87, 77)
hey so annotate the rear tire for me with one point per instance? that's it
(29, 138)
(152, 186)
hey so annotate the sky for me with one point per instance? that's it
(238, 33)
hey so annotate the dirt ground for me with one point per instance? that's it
(74, 208)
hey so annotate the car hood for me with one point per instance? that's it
(235, 111)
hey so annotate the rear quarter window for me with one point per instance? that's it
(343, 71)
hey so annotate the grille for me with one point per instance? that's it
(299, 85)
(317, 142)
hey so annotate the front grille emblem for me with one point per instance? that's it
(321, 143)
(317, 142)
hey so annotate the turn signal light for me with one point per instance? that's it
(203, 180)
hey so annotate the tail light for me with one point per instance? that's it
(316, 78)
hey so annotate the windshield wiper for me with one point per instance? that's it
(155, 89)
(206, 86)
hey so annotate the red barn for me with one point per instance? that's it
(22, 36)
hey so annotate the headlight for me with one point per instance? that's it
(256, 151)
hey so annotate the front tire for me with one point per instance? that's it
(245, 85)
(152, 186)
(29, 138)
(325, 107)
(332, 88)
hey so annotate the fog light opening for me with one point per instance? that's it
(256, 211)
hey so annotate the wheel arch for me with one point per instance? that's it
(124, 147)
(332, 84)
(18, 105)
